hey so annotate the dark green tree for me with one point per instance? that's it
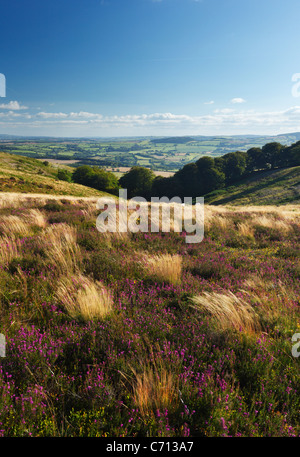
(272, 154)
(138, 182)
(96, 178)
(290, 156)
(234, 166)
(187, 181)
(83, 175)
(64, 175)
(209, 177)
(255, 160)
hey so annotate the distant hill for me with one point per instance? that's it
(173, 140)
(274, 187)
(27, 175)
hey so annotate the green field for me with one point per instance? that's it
(159, 154)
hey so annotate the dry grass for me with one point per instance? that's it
(278, 218)
(154, 385)
(228, 311)
(35, 217)
(272, 222)
(165, 267)
(10, 247)
(84, 298)
(23, 224)
(245, 230)
(61, 247)
(274, 299)
(11, 225)
(154, 390)
(23, 200)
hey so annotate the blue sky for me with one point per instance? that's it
(150, 67)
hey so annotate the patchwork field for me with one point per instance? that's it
(143, 334)
(159, 154)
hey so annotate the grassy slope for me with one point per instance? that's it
(152, 364)
(20, 174)
(276, 187)
(26, 175)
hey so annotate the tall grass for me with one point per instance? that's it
(228, 311)
(164, 267)
(23, 224)
(14, 225)
(154, 390)
(61, 247)
(274, 299)
(84, 298)
(10, 247)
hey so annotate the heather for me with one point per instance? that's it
(143, 334)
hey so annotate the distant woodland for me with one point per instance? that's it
(195, 179)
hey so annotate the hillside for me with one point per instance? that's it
(143, 335)
(276, 187)
(27, 175)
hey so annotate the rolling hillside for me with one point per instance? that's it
(274, 187)
(27, 175)
(20, 174)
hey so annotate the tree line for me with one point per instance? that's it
(195, 179)
(209, 174)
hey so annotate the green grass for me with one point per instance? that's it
(276, 187)
(27, 175)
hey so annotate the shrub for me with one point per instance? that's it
(53, 205)
(64, 175)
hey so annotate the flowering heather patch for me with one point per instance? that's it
(151, 364)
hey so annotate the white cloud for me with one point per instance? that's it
(13, 105)
(221, 121)
(52, 115)
(220, 117)
(85, 114)
(211, 102)
(237, 100)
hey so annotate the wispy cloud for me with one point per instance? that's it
(13, 105)
(44, 115)
(237, 100)
(224, 121)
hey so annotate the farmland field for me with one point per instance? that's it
(159, 154)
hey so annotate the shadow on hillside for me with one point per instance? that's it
(263, 183)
